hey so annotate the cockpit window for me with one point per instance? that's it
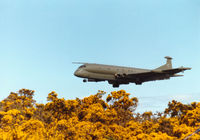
(83, 66)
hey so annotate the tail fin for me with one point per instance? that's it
(168, 64)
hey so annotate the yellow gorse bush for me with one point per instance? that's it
(93, 118)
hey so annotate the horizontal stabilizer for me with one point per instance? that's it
(176, 70)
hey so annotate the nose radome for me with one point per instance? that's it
(76, 73)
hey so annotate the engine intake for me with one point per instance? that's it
(120, 75)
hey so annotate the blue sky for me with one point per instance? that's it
(39, 40)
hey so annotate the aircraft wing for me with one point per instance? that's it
(155, 74)
(143, 75)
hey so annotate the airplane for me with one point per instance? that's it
(117, 75)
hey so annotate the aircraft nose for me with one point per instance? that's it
(76, 73)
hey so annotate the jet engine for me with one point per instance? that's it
(118, 76)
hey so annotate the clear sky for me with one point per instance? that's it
(39, 40)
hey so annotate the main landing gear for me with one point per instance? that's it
(138, 83)
(115, 85)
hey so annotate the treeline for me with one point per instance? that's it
(93, 118)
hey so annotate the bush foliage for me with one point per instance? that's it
(93, 118)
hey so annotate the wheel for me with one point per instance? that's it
(84, 80)
(115, 85)
(138, 83)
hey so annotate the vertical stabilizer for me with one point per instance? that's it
(168, 64)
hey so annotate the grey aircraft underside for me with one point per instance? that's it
(117, 75)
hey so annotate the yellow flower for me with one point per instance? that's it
(7, 119)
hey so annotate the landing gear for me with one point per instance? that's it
(84, 80)
(115, 85)
(138, 83)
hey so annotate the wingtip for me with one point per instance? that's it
(177, 75)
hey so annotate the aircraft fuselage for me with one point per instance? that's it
(104, 72)
(117, 75)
